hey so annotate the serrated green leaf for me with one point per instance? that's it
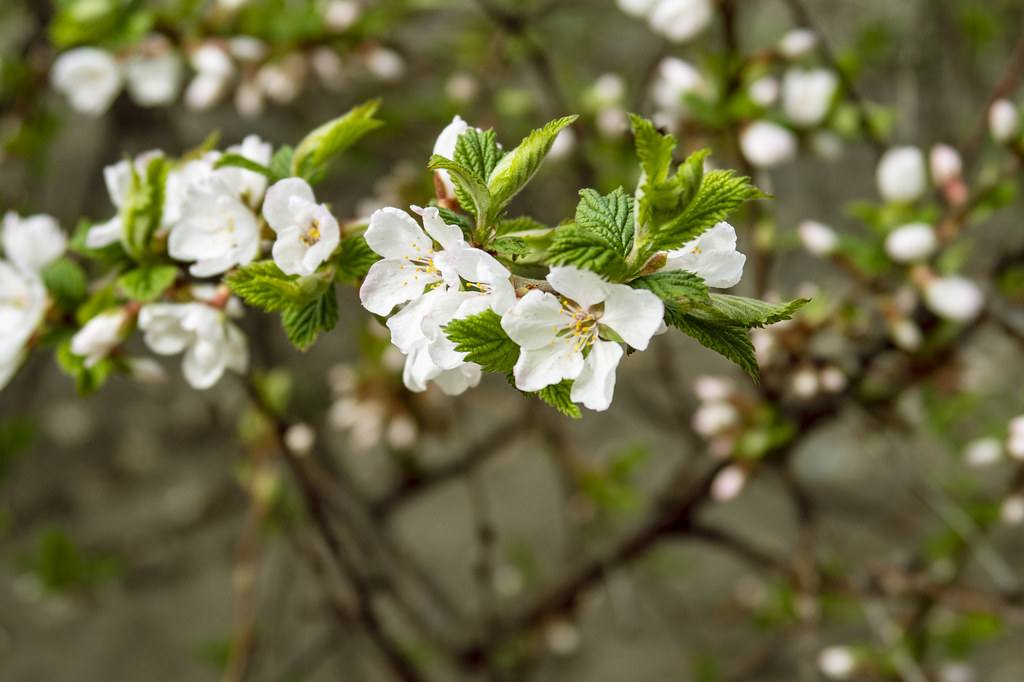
(720, 193)
(146, 283)
(332, 137)
(87, 379)
(673, 286)
(143, 207)
(512, 246)
(653, 149)
(557, 396)
(728, 339)
(281, 162)
(750, 312)
(516, 168)
(584, 249)
(484, 341)
(478, 151)
(65, 280)
(520, 225)
(610, 216)
(263, 285)
(353, 260)
(239, 161)
(304, 324)
(477, 198)
(690, 176)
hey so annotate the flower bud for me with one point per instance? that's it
(673, 80)
(954, 298)
(89, 77)
(911, 242)
(945, 164)
(154, 81)
(714, 418)
(728, 483)
(300, 438)
(341, 14)
(1003, 120)
(1012, 510)
(100, 335)
(798, 43)
(837, 662)
(817, 238)
(766, 144)
(807, 95)
(680, 20)
(983, 452)
(764, 91)
(900, 174)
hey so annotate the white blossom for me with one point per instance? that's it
(911, 242)
(154, 80)
(560, 336)
(22, 307)
(283, 80)
(1003, 120)
(384, 63)
(216, 231)
(407, 268)
(32, 242)
(680, 20)
(307, 233)
(673, 80)
(89, 77)
(728, 483)
(983, 452)
(954, 298)
(100, 335)
(817, 238)
(246, 184)
(900, 175)
(798, 43)
(712, 256)
(837, 662)
(210, 342)
(764, 91)
(636, 8)
(766, 144)
(214, 71)
(807, 95)
(339, 15)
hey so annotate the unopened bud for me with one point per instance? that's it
(766, 144)
(954, 298)
(728, 483)
(945, 163)
(837, 662)
(911, 242)
(1003, 120)
(982, 452)
(798, 43)
(900, 174)
(818, 238)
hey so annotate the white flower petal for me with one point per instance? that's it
(634, 314)
(393, 233)
(276, 204)
(535, 319)
(391, 282)
(595, 385)
(443, 234)
(32, 242)
(536, 369)
(583, 286)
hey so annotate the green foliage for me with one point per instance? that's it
(484, 341)
(478, 151)
(557, 396)
(751, 312)
(613, 487)
(516, 168)
(281, 162)
(574, 245)
(471, 190)
(87, 379)
(61, 565)
(510, 246)
(673, 286)
(303, 324)
(110, 23)
(353, 260)
(720, 335)
(94, 305)
(719, 194)
(65, 280)
(317, 148)
(143, 207)
(519, 225)
(146, 283)
(263, 285)
(239, 161)
(609, 216)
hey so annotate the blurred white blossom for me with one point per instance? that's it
(954, 297)
(1003, 120)
(797, 43)
(807, 95)
(817, 238)
(900, 174)
(911, 242)
(89, 77)
(766, 144)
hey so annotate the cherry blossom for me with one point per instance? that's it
(901, 175)
(33, 242)
(210, 342)
(307, 233)
(100, 335)
(89, 77)
(712, 256)
(766, 144)
(807, 95)
(216, 230)
(561, 336)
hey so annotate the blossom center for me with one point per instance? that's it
(581, 329)
(422, 264)
(312, 235)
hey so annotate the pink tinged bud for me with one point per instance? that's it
(728, 483)
(1003, 120)
(837, 662)
(832, 379)
(954, 298)
(910, 243)
(817, 238)
(798, 43)
(1012, 510)
(982, 452)
(945, 164)
(766, 144)
(900, 174)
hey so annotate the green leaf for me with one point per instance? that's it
(239, 161)
(673, 286)
(332, 137)
(719, 195)
(476, 198)
(143, 207)
(516, 168)
(87, 379)
(459, 220)
(653, 149)
(512, 246)
(610, 216)
(353, 260)
(146, 283)
(584, 249)
(304, 324)
(484, 341)
(520, 225)
(96, 304)
(263, 285)
(750, 312)
(729, 339)
(478, 151)
(281, 162)
(557, 396)
(65, 279)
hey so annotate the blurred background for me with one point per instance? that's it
(854, 514)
